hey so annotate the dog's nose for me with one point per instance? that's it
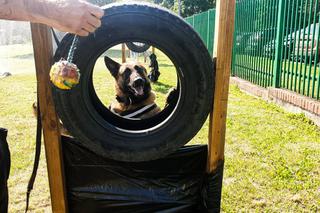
(138, 82)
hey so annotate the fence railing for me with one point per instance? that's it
(276, 43)
(203, 23)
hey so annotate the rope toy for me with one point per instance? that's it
(64, 74)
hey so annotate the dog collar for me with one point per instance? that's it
(128, 101)
(134, 114)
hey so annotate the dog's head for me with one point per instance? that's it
(131, 79)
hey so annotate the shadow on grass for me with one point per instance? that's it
(165, 65)
(25, 56)
(161, 87)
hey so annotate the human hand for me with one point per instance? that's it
(74, 16)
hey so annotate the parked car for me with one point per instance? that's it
(287, 45)
(258, 40)
(241, 41)
(307, 50)
(252, 43)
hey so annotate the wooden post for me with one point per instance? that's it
(153, 49)
(123, 50)
(42, 46)
(225, 13)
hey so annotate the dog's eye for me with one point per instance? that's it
(127, 73)
(140, 69)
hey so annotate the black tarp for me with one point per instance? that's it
(177, 183)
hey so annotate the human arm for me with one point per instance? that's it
(74, 16)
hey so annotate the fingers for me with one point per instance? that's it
(90, 25)
(94, 21)
(82, 32)
(96, 11)
(89, 28)
(83, 18)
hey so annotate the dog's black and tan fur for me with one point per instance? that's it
(133, 90)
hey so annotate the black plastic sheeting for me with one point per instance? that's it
(177, 183)
(4, 170)
(213, 187)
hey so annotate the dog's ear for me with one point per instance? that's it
(112, 66)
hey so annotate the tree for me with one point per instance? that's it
(102, 2)
(188, 7)
(165, 3)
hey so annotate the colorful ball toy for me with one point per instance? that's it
(64, 75)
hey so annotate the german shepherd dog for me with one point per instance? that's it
(134, 96)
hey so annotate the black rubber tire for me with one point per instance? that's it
(93, 125)
(136, 48)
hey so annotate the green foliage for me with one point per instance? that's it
(102, 2)
(188, 7)
(165, 3)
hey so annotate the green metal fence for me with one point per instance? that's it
(276, 43)
(203, 23)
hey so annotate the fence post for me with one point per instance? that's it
(233, 60)
(193, 20)
(208, 29)
(277, 66)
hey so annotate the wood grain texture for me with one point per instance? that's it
(225, 13)
(42, 45)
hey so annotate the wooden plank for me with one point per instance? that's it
(123, 50)
(42, 45)
(225, 13)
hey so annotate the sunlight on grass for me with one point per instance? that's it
(17, 58)
(272, 159)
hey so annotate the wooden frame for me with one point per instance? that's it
(222, 52)
(42, 43)
(42, 46)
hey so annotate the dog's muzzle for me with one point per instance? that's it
(138, 86)
(138, 82)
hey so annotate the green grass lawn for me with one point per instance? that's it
(272, 158)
